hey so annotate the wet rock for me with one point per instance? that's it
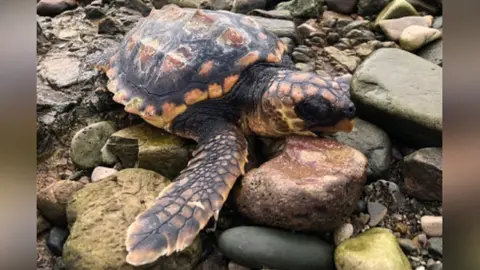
(56, 239)
(304, 186)
(289, 42)
(360, 35)
(396, 9)
(258, 247)
(432, 52)
(358, 25)
(429, 6)
(145, 146)
(272, 14)
(342, 233)
(342, 6)
(281, 28)
(45, 259)
(432, 225)
(350, 62)
(408, 105)
(435, 245)
(221, 4)
(393, 28)
(60, 69)
(377, 248)
(100, 173)
(377, 212)
(52, 200)
(415, 37)
(365, 49)
(100, 214)
(110, 26)
(88, 142)
(407, 245)
(42, 224)
(306, 67)
(370, 7)
(373, 142)
(245, 6)
(52, 8)
(302, 8)
(422, 171)
(438, 23)
(94, 12)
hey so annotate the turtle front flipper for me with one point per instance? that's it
(184, 207)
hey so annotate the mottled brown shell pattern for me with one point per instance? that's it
(177, 57)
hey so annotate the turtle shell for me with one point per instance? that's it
(176, 57)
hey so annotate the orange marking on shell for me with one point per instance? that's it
(328, 96)
(262, 36)
(148, 49)
(206, 68)
(249, 59)
(111, 73)
(120, 96)
(229, 82)
(272, 58)
(232, 37)
(112, 59)
(284, 88)
(149, 111)
(176, 59)
(194, 96)
(112, 85)
(200, 20)
(214, 90)
(170, 110)
(297, 93)
(311, 90)
(281, 46)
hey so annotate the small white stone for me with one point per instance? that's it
(100, 173)
(343, 233)
(432, 225)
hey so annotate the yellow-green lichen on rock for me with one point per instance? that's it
(99, 215)
(375, 249)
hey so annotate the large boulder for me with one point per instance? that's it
(401, 93)
(100, 214)
(311, 185)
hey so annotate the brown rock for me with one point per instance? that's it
(393, 28)
(311, 185)
(422, 171)
(52, 8)
(414, 37)
(52, 200)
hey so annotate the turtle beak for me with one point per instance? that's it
(344, 125)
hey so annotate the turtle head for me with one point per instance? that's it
(306, 103)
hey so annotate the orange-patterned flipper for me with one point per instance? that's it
(185, 206)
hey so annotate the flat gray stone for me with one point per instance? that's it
(281, 28)
(401, 93)
(373, 142)
(432, 52)
(258, 247)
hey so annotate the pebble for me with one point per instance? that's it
(435, 245)
(56, 239)
(343, 233)
(415, 37)
(94, 12)
(258, 247)
(110, 26)
(300, 57)
(100, 173)
(432, 225)
(407, 245)
(377, 212)
(88, 142)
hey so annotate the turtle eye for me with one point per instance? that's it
(316, 111)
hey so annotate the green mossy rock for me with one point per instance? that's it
(375, 249)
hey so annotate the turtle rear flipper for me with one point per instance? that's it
(184, 207)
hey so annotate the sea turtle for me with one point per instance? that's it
(213, 77)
